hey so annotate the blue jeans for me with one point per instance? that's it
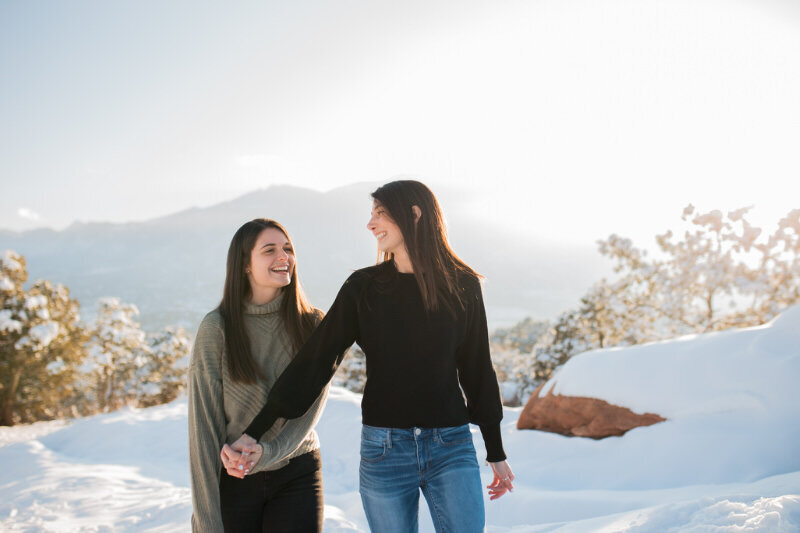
(397, 463)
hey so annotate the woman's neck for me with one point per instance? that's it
(264, 295)
(403, 263)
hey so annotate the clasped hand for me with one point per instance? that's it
(239, 458)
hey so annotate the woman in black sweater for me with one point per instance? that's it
(420, 320)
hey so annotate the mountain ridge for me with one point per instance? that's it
(172, 267)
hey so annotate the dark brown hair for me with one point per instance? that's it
(436, 266)
(297, 314)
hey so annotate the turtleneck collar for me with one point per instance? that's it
(267, 308)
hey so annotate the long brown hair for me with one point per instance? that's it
(436, 265)
(297, 314)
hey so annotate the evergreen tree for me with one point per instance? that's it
(512, 356)
(352, 373)
(117, 356)
(41, 344)
(163, 376)
(718, 276)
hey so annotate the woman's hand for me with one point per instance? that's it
(240, 457)
(230, 461)
(503, 476)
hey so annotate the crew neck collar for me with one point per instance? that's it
(267, 308)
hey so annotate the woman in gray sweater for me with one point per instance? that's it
(241, 348)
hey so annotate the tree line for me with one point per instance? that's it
(53, 365)
(721, 273)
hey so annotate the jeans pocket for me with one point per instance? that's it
(372, 451)
(455, 435)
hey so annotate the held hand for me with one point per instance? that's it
(239, 458)
(246, 445)
(230, 460)
(242, 442)
(503, 476)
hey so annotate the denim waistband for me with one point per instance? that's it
(388, 435)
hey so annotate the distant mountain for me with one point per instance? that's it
(173, 267)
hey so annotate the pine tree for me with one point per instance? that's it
(41, 344)
(718, 276)
(513, 360)
(163, 377)
(352, 373)
(117, 355)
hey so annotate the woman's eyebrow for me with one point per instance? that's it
(272, 244)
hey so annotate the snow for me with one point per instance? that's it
(7, 323)
(6, 284)
(725, 460)
(712, 219)
(35, 302)
(40, 335)
(11, 261)
(56, 366)
(45, 333)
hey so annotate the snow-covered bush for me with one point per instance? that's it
(719, 276)
(117, 350)
(52, 365)
(352, 373)
(514, 362)
(40, 345)
(125, 366)
(521, 336)
(163, 377)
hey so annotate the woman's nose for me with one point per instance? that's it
(371, 224)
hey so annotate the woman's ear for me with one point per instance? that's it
(417, 212)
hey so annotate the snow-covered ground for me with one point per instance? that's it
(727, 459)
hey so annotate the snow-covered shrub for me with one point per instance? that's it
(163, 376)
(117, 352)
(352, 373)
(718, 276)
(40, 345)
(514, 363)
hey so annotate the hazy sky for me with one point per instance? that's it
(566, 119)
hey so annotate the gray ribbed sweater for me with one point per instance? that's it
(220, 409)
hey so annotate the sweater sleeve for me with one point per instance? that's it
(477, 377)
(313, 367)
(291, 435)
(206, 425)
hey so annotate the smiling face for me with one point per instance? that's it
(272, 262)
(388, 234)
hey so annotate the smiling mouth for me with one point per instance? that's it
(281, 270)
(380, 235)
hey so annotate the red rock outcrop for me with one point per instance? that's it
(576, 416)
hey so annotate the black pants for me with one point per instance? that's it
(285, 500)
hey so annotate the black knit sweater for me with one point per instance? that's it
(416, 359)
